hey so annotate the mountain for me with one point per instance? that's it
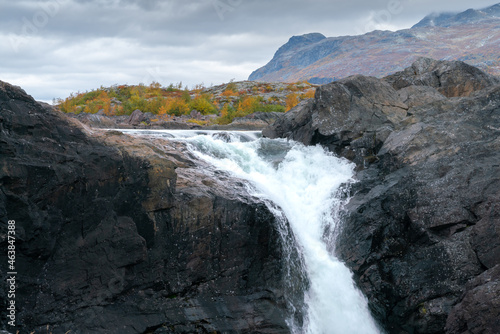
(472, 36)
(470, 16)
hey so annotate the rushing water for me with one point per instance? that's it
(305, 182)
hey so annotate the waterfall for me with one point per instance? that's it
(305, 182)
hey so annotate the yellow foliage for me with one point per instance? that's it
(163, 110)
(248, 105)
(154, 90)
(309, 94)
(229, 92)
(203, 105)
(226, 114)
(226, 111)
(291, 101)
(175, 106)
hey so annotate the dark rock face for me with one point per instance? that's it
(479, 309)
(422, 229)
(116, 234)
(352, 117)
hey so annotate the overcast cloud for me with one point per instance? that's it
(54, 47)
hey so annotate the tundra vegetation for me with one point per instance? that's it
(225, 102)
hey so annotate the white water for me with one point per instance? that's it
(304, 182)
(235, 135)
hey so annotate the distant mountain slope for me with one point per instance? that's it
(472, 36)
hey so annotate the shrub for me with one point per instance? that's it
(203, 105)
(174, 106)
(248, 105)
(186, 96)
(309, 94)
(227, 114)
(197, 121)
(291, 101)
(272, 108)
(229, 92)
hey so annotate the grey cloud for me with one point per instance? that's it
(81, 44)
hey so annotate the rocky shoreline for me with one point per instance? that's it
(139, 120)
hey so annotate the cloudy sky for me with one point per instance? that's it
(54, 47)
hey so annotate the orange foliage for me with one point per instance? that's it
(248, 105)
(229, 92)
(163, 110)
(309, 94)
(291, 101)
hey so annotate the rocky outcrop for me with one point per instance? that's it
(421, 231)
(147, 121)
(452, 79)
(116, 234)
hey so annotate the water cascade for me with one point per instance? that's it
(305, 182)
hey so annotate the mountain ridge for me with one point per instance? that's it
(471, 36)
(470, 15)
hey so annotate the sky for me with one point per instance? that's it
(52, 48)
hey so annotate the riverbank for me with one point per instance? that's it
(147, 121)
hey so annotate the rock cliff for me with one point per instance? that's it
(422, 230)
(116, 234)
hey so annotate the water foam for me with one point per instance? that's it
(305, 183)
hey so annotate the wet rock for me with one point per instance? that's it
(224, 136)
(424, 222)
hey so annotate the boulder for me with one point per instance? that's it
(136, 117)
(450, 78)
